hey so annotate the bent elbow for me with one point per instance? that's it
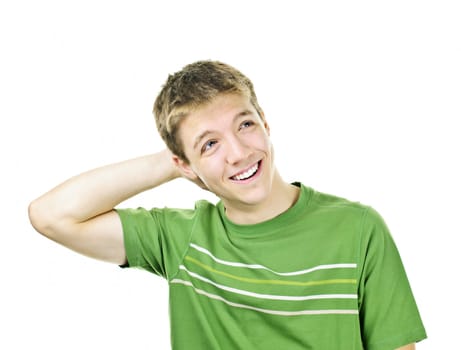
(37, 217)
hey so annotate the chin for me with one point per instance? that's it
(255, 199)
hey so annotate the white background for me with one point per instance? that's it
(362, 97)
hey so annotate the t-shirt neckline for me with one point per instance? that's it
(271, 225)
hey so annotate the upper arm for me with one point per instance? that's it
(388, 311)
(100, 237)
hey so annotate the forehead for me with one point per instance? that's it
(221, 104)
(215, 115)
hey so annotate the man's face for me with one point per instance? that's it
(229, 150)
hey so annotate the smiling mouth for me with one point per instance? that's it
(247, 174)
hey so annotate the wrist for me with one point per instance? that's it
(168, 166)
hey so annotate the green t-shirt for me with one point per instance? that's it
(323, 275)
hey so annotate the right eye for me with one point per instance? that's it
(208, 145)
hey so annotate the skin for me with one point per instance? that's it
(79, 212)
(408, 347)
(226, 138)
(222, 139)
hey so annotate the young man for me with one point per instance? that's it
(272, 265)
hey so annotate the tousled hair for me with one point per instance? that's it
(196, 85)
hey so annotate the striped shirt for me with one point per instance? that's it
(323, 275)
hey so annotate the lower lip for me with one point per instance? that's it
(252, 178)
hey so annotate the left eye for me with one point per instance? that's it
(246, 124)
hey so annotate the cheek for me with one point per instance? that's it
(265, 143)
(258, 140)
(210, 170)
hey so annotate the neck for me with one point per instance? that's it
(282, 197)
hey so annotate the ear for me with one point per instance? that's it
(266, 125)
(186, 171)
(184, 168)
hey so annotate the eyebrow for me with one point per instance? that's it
(207, 132)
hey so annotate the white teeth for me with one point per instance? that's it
(247, 173)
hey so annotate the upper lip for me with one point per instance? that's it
(245, 169)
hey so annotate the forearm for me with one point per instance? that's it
(97, 191)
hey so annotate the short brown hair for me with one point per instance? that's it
(194, 86)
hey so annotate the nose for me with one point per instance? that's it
(236, 150)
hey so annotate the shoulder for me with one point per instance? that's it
(335, 205)
(166, 215)
(340, 212)
(205, 206)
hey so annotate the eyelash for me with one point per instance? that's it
(207, 144)
(249, 122)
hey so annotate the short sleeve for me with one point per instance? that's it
(155, 240)
(388, 312)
